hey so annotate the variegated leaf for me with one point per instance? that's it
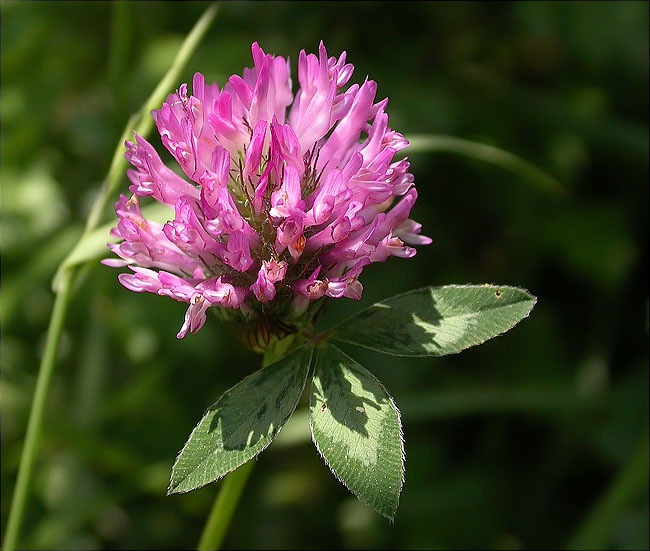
(357, 430)
(242, 423)
(436, 321)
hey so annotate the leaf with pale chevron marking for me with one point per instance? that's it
(436, 321)
(242, 423)
(357, 430)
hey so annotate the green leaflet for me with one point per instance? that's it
(242, 423)
(356, 428)
(354, 422)
(436, 321)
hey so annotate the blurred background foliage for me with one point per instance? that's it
(527, 441)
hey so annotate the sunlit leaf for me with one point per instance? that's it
(242, 423)
(436, 321)
(357, 430)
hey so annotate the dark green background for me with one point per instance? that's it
(510, 444)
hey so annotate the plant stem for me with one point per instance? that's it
(224, 507)
(232, 486)
(66, 274)
(141, 123)
(35, 422)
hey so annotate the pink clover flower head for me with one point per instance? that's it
(284, 200)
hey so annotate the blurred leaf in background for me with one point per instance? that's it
(522, 442)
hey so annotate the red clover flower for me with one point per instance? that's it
(285, 199)
(280, 202)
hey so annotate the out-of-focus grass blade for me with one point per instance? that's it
(141, 122)
(94, 239)
(434, 143)
(92, 245)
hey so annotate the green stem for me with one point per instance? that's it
(232, 486)
(66, 273)
(224, 507)
(35, 423)
(141, 123)
(595, 531)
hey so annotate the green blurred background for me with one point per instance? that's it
(512, 444)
